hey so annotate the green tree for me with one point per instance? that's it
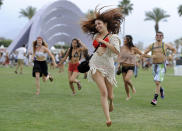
(5, 42)
(29, 12)
(180, 10)
(156, 15)
(178, 43)
(126, 8)
(90, 13)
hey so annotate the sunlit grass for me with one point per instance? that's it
(57, 110)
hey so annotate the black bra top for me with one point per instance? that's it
(76, 55)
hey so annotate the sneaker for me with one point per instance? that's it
(50, 78)
(119, 71)
(154, 102)
(162, 92)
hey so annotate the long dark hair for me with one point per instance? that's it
(113, 18)
(71, 47)
(129, 41)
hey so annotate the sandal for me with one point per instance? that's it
(50, 78)
(79, 86)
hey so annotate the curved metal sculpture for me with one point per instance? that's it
(55, 22)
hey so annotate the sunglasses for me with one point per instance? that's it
(159, 35)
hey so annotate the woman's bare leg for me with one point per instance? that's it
(126, 86)
(37, 75)
(74, 80)
(110, 94)
(71, 83)
(128, 80)
(99, 79)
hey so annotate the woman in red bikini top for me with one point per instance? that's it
(99, 25)
(74, 54)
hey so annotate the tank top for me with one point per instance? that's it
(126, 57)
(40, 54)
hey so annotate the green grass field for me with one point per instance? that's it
(55, 109)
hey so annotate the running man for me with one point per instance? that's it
(20, 56)
(158, 50)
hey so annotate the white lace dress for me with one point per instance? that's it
(105, 63)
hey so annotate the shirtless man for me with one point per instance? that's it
(158, 50)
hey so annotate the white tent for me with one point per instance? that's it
(58, 21)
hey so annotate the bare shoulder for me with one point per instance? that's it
(44, 48)
(150, 45)
(170, 47)
(134, 48)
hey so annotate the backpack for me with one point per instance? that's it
(163, 48)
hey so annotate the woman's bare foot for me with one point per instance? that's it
(37, 92)
(74, 93)
(128, 98)
(134, 90)
(109, 123)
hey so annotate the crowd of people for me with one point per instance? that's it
(103, 27)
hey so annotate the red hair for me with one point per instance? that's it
(35, 43)
(39, 37)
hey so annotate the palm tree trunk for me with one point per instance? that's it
(123, 29)
(156, 27)
(177, 47)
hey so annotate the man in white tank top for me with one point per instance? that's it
(20, 56)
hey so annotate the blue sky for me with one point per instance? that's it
(11, 24)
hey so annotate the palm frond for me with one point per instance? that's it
(126, 6)
(1, 3)
(180, 10)
(156, 15)
(90, 13)
(29, 12)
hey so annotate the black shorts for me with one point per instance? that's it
(41, 67)
(125, 69)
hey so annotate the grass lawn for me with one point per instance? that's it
(55, 109)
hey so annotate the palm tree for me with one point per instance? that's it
(156, 15)
(180, 10)
(29, 12)
(126, 8)
(1, 2)
(178, 42)
(90, 13)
